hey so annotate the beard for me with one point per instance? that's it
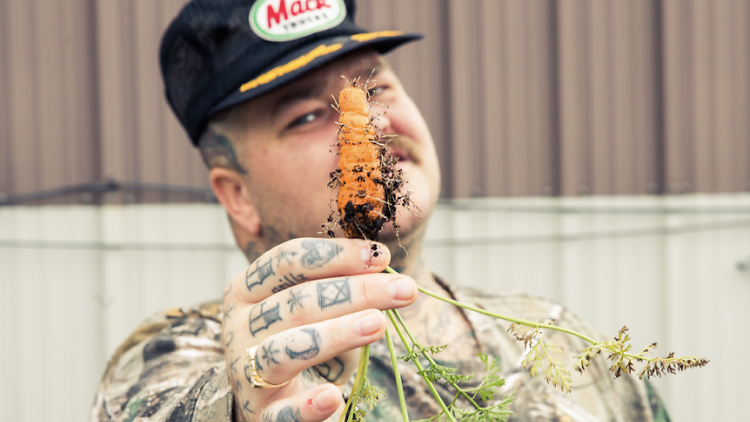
(404, 148)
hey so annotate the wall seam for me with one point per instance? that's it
(660, 152)
(555, 124)
(448, 183)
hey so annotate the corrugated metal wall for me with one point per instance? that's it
(77, 279)
(140, 138)
(524, 97)
(671, 269)
(49, 127)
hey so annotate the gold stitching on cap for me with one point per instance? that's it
(367, 36)
(295, 64)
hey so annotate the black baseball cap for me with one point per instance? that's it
(219, 53)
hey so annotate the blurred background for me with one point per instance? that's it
(596, 152)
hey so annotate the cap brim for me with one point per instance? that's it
(310, 57)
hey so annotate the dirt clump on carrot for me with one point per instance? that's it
(368, 181)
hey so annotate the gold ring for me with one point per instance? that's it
(255, 379)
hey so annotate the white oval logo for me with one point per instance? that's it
(284, 20)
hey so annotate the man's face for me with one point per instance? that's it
(288, 146)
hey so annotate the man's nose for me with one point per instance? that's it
(382, 121)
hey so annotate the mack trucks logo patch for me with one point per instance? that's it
(284, 20)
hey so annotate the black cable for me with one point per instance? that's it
(206, 194)
(109, 185)
(599, 235)
(432, 243)
(478, 206)
(111, 246)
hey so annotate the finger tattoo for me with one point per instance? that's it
(311, 351)
(333, 292)
(268, 353)
(228, 313)
(318, 252)
(264, 318)
(289, 281)
(295, 299)
(287, 414)
(311, 374)
(285, 256)
(259, 275)
(246, 407)
(331, 370)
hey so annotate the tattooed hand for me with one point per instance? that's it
(308, 305)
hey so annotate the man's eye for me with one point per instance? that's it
(376, 91)
(303, 120)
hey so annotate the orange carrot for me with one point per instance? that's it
(366, 177)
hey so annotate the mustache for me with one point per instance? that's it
(403, 147)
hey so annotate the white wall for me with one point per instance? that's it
(76, 279)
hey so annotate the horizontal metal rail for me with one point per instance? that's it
(109, 185)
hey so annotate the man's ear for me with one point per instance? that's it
(234, 196)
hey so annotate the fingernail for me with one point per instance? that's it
(372, 253)
(401, 288)
(324, 400)
(367, 324)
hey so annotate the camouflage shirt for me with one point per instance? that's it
(172, 368)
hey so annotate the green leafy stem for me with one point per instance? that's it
(540, 353)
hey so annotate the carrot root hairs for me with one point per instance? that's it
(368, 181)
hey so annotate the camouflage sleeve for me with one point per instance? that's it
(171, 368)
(657, 405)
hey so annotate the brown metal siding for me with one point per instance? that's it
(47, 79)
(607, 97)
(706, 72)
(141, 139)
(423, 67)
(524, 97)
(5, 145)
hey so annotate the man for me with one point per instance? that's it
(251, 82)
